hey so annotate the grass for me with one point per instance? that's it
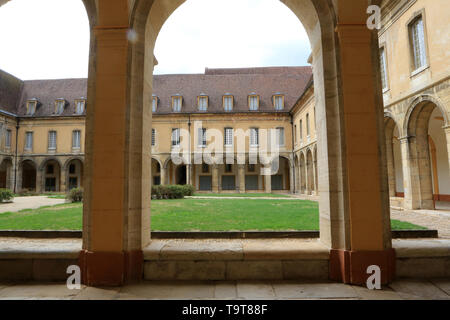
(239, 195)
(191, 215)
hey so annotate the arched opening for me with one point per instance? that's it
(394, 158)
(6, 174)
(428, 155)
(302, 173)
(28, 175)
(74, 174)
(51, 174)
(281, 179)
(156, 172)
(309, 173)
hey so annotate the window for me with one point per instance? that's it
(202, 137)
(307, 125)
(29, 141)
(295, 133)
(153, 137)
(31, 107)
(8, 138)
(228, 168)
(280, 136)
(176, 103)
(253, 102)
(205, 168)
(52, 140)
(80, 106)
(154, 103)
(228, 136)
(175, 137)
(251, 168)
(202, 102)
(254, 137)
(278, 102)
(228, 103)
(383, 67)
(76, 139)
(417, 38)
(301, 130)
(59, 106)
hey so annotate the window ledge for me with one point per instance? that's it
(420, 70)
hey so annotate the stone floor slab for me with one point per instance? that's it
(418, 289)
(171, 290)
(255, 290)
(38, 291)
(225, 290)
(385, 293)
(91, 293)
(293, 290)
(443, 284)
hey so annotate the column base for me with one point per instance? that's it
(351, 266)
(111, 268)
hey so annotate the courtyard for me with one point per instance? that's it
(230, 212)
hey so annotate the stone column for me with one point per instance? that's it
(447, 134)
(307, 179)
(267, 179)
(189, 174)
(116, 220)
(63, 180)
(40, 183)
(316, 191)
(215, 178)
(291, 178)
(241, 177)
(361, 236)
(390, 165)
(163, 175)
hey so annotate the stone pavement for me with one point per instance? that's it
(438, 289)
(35, 202)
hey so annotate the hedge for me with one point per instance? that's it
(6, 195)
(172, 191)
(75, 195)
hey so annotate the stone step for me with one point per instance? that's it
(236, 259)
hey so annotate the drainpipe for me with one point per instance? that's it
(293, 153)
(15, 167)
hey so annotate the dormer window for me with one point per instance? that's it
(154, 103)
(60, 105)
(253, 101)
(278, 101)
(31, 106)
(228, 101)
(202, 102)
(80, 106)
(176, 103)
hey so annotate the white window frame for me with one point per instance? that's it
(31, 107)
(8, 138)
(202, 103)
(228, 136)
(80, 106)
(59, 106)
(281, 137)
(177, 103)
(254, 137)
(52, 136)
(175, 137)
(154, 104)
(201, 139)
(76, 137)
(28, 141)
(418, 44)
(252, 105)
(228, 103)
(153, 137)
(383, 68)
(278, 102)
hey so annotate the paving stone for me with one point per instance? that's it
(38, 291)
(385, 293)
(313, 290)
(255, 290)
(225, 290)
(443, 284)
(171, 290)
(418, 289)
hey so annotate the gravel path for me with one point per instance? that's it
(21, 203)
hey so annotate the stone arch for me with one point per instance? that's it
(393, 156)
(27, 178)
(68, 161)
(49, 177)
(6, 173)
(72, 174)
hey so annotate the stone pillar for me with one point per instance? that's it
(316, 191)
(189, 174)
(364, 236)
(447, 134)
(40, 183)
(291, 178)
(215, 178)
(241, 177)
(267, 179)
(308, 178)
(390, 165)
(116, 219)
(63, 180)
(163, 175)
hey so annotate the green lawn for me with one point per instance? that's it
(252, 195)
(190, 215)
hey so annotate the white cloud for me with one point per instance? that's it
(50, 38)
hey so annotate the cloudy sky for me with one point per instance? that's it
(49, 39)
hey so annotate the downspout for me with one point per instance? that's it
(15, 158)
(293, 153)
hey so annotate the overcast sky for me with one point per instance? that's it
(49, 39)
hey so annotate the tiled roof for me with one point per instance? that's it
(10, 88)
(289, 81)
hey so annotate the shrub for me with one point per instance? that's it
(6, 194)
(172, 191)
(75, 195)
